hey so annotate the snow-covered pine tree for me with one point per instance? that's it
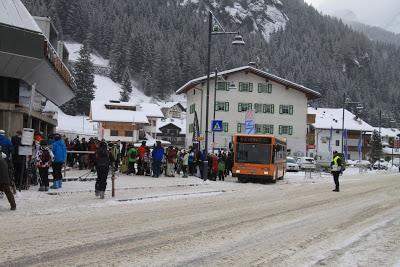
(376, 146)
(84, 78)
(126, 88)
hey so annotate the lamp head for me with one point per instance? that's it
(238, 40)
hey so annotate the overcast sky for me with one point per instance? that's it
(378, 12)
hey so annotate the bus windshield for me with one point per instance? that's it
(253, 153)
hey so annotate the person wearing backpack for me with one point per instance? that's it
(104, 159)
(44, 157)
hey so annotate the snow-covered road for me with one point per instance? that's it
(186, 222)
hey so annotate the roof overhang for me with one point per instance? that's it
(311, 94)
(22, 56)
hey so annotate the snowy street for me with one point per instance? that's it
(186, 222)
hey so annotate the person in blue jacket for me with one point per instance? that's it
(60, 155)
(157, 155)
(5, 144)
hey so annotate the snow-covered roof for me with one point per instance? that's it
(151, 110)
(180, 123)
(311, 94)
(389, 132)
(73, 49)
(332, 117)
(14, 13)
(99, 113)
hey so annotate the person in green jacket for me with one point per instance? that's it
(132, 157)
(221, 168)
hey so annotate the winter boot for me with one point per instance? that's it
(46, 188)
(336, 189)
(55, 185)
(42, 188)
(101, 194)
(96, 193)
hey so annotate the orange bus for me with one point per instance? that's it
(258, 157)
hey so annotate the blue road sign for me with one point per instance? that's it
(250, 126)
(216, 126)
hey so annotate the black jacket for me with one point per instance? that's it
(104, 157)
(4, 177)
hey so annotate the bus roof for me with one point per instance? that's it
(261, 135)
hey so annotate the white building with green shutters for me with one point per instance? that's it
(279, 105)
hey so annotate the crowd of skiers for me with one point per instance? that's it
(54, 151)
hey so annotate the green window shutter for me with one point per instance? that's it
(239, 127)
(215, 106)
(280, 109)
(271, 131)
(240, 86)
(240, 107)
(265, 108)
(227, 85)
(260, 88)
(290, 130)
(225, 126)
(272, 108)
(226, 106)
(291, 109)
(250, 106)
(250, 87)
(280, 129)
(269, 88)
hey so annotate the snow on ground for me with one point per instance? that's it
(73, 49)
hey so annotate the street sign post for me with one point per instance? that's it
(216, 126)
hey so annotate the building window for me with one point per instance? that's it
(192, 108)
(242, 107)
(222, 106)
(286, 109)
(222, 86)
(285, 130)
(113, 132)
(337, 142)
(258, 107)
(264, 128)
(245, 87)
(268, 108)
(191, 128)
(258, 128)
(268, 129)
(240, 127)
(265, 88)
(129, 133)
(225, 125)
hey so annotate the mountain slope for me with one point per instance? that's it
(163, 43)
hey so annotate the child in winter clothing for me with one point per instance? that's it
(44, 157)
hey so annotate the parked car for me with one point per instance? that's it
(306, 163)
(381, 165)
(363, 164)
(291, 165)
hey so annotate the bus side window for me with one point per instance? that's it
(273, 153)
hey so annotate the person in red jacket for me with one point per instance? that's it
(141, 154)
(171, 160)
(214, 168)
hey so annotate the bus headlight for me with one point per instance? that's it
(237, 171)
(266, 173)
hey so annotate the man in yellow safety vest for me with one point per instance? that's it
(336, 165)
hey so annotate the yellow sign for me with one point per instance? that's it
(201, 138)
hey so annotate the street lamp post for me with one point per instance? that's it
(237, 41)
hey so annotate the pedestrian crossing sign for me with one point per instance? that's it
(216, 126)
